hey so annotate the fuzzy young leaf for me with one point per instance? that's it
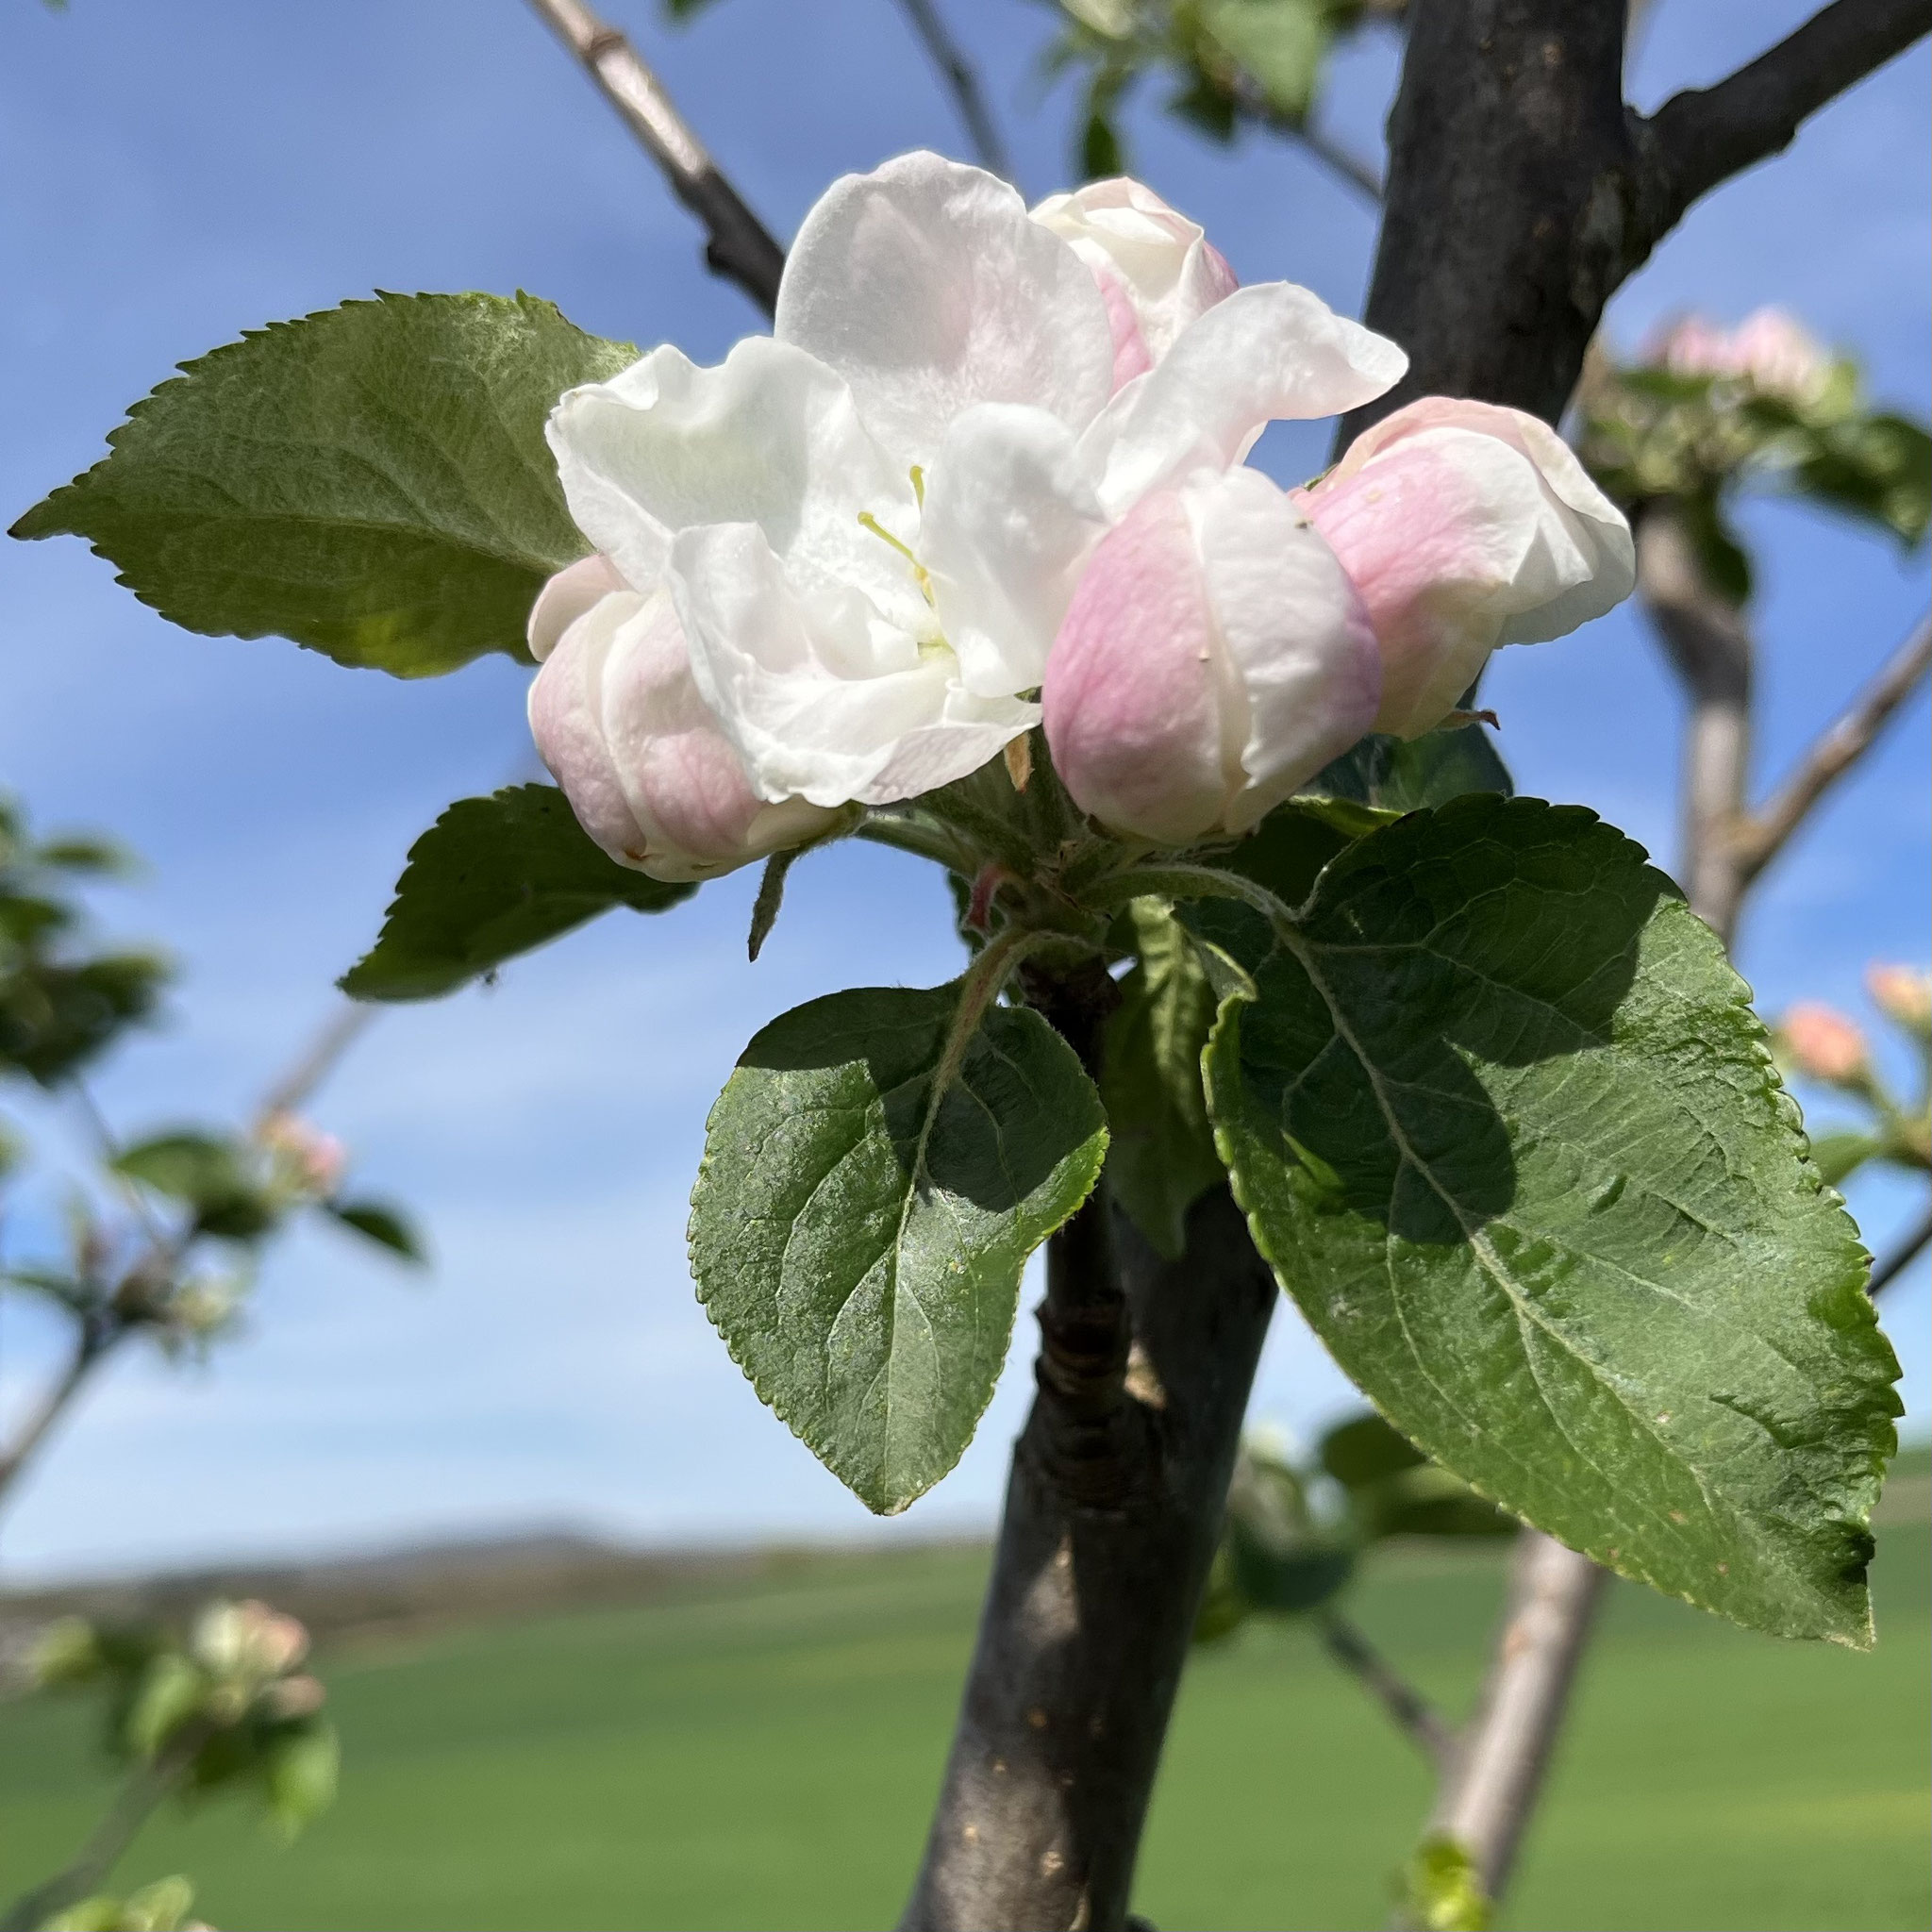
(492, 878)
(371, 482)
(1506, 1126)
(1161, 1155)
(859, 1246)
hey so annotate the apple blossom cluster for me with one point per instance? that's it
(988, 472)
(1770, 350)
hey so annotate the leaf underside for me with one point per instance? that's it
(371, 481)
(492, 878)
(860, 1252)
(1508, 1131)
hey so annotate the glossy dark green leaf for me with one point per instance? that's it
(1402, 773)
(492, 878)
(371, 482)
(1506, 1126)
(1161, 1156)
(858, 1237)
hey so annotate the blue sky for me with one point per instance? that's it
(181, 171)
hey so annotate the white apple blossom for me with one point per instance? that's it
(871, 524)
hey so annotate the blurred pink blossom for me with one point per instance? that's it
(1825, 1045)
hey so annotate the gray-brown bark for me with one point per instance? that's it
(1112, 1511)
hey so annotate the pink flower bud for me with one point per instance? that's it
(315, 1161)
(1156, 269)
(619, 720)
(1904, 993)
(1464, 527)
(1825, 1045)
(1213, 658)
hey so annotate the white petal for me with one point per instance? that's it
(769, 437)
(1010, 517)
(1273, 351)
(928, 287)
(1167, 269)
(1294, 629)
(822, 700)
(565, 598)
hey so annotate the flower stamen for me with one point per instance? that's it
(905, 550)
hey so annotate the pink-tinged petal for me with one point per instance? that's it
(566, 721)
(1011, 518)
(1825, 1045)
(1267, 352)
(1131, 356)
(1144, 733)
(926, 286)
(1433, 537)
(682, 779)
(1150, 260)
(1295, 633)
(566, 597)
(1466, 526)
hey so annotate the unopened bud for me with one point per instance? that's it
(247, 1640)
(1820, 1041)
(1905, 993)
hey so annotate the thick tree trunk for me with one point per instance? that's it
(1112, 1512)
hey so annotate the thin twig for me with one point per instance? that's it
(1705, 135)
(741, 247)
(97, 1338)
(1412, 1714)
(338, 1034)
(1837, 750)
(1342, 161)
(1902, 1257)
(962, 82)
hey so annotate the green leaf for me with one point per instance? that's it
(1366, 1450)
(300, 1772)
(380, 1222)
(210, 1174)
(372, 481)
(492, 878)
(1161, 1156)
(1506, 1128)
(1401, 775)
(1284, 1561)
(55, 1016)
(1725, 564)
(1841, 1154)
(857, 1240)
(1878, 468)
(1441, 1890)
(1280, 43)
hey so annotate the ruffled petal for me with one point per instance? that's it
(565, 598)
(928, 287)
(768, 436)
(1295, 633)
(1273, 351)
(1142, 716)
(1010, 516)
(822, 699)
(1156, 268)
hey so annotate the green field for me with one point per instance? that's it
(763, 1756)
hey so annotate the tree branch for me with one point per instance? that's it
(1411, 1712)
(91, 1348)
(958, 74)
(1902, 1257)
(1702, 136)
(340, 1032)
(1553, 1599)
(1837, 749)
(741, 247)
